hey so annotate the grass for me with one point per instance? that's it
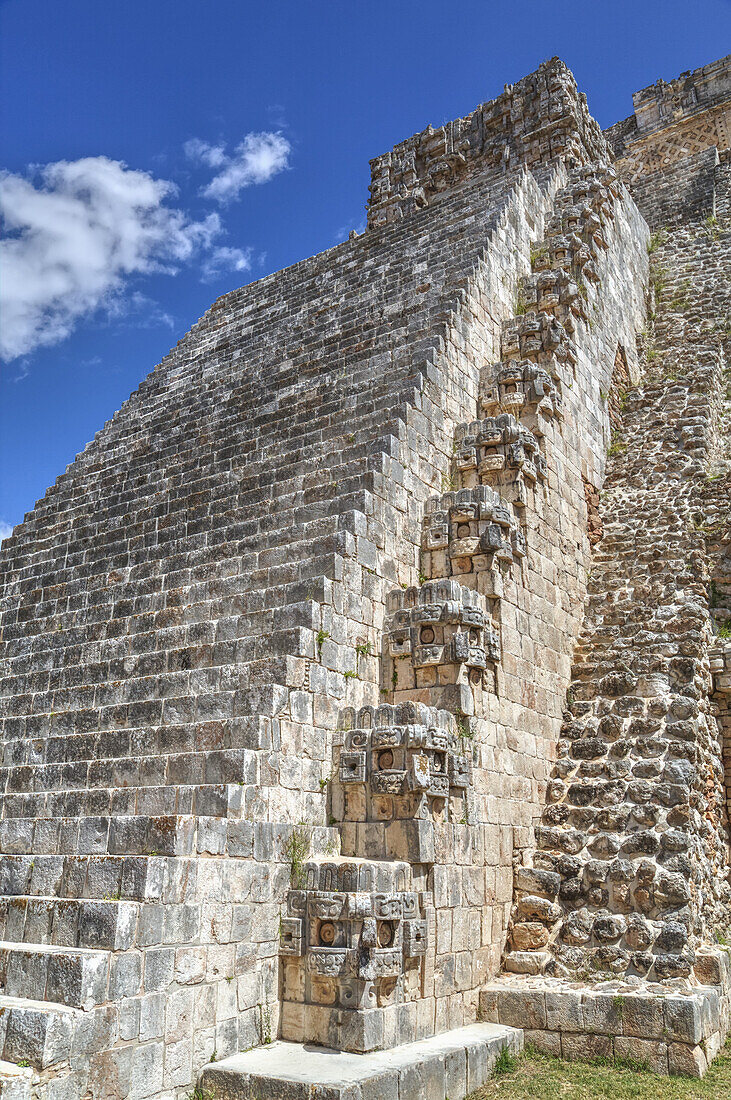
(536, 1076)
(296, 851)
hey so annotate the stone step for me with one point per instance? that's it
(36, 1032)
(106, 924)
(16, 1082)
(75, 977)
(205, 800)
(142, 835)
(53, 737)
(189, 769)
(129, 878)
(445, 1067)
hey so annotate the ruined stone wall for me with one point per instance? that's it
(287, 745)
(633, 846)
(674, 120)
(189, 610)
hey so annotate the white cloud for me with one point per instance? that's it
(255, 160)
(224, 258)
(74, 238)
(5, 530)
(212, 155)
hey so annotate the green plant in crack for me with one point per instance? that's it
(521, 302)
(616, 445)
(296, 850)
(657, 239)
(265, 1023)
(506, 1063)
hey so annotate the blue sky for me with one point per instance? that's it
(157, 154)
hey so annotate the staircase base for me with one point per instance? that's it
(449, 1065)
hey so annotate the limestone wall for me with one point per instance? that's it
(287, 745)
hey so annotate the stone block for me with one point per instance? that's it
(584, 1047)
(564, 1010)
(549, 1042)
(685, 1060)
(683, 1020)
(647, 1052)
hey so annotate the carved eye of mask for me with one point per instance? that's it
(385, 760)
(385, 933)
(327, 933)
(463, 530)
(427, 635)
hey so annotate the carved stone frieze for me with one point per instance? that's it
(352, 932)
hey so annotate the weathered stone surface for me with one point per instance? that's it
(288, 714)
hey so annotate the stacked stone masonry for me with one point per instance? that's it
(377, 645)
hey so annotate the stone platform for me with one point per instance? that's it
(675, 1028)
(449, 1065)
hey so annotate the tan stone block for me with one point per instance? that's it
(686, 1061)
(549, 1042)
(582, 1047)
(649, 1052)
(642, 1016)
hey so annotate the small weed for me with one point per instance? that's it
(464, 732)
(521, 302)
(537, 254)
(200, 1094)
(422, 577)
(604, 394)
(112, 897)
(296, 850)
(351, 674)
(616, 446)
(24, 1063)
(394, 678)
(618, 1003)
(265, 1027)
(657, 239)
(723, 630)
(363, 650)
(506, 1063)
(658, 280)
(447, 482)
(324, 782)
(320, 638)
(635, 1065)
(711, 229)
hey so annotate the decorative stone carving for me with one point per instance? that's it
(552, 290)
(403, 762)
(351, 932)
(522, 389)
(441, 639)
(471, 533)
(499, 451)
